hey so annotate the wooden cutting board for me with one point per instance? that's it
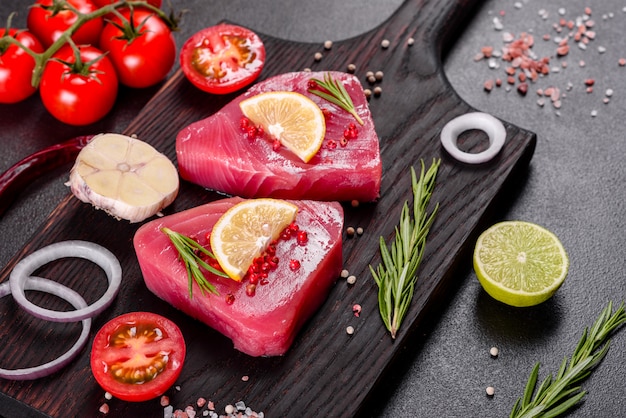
(326, 372)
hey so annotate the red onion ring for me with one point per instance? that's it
(57, 289)
(83, 249)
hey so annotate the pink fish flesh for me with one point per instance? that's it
(217, 153)
(266, 323)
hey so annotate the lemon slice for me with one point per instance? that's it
(244, 231)
(292, 118)
(520, 263)
(124, 176)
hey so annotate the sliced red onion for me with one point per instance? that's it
(476, 120)
(57, 289)
(82, 249)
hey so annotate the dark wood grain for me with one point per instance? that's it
(326, 372)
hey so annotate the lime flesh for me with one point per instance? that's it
(520, 263)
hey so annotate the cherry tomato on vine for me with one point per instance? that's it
(16, 66)
(140, 46)
(48, 26)
(137, 356)
(102, 3)
(79, 94)
(222, 58)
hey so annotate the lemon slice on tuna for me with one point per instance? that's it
(290, 117)
(244, 232)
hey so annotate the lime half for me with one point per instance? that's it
(520, 263)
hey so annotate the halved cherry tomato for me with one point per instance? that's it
(144, 52)
(16, 67)
(78, 96)
(222, 58)
(137, 356)
(48, 27)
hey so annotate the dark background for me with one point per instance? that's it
(574, 187)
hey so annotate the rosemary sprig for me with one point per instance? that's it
(555, 397)
(335, 93)
(397, 274)
(188, 250)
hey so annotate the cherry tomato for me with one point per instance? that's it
(144, 55)
(137, 356)
(16, 67)
(102, 3)
(79, 98)
(222, 58)
(48, 27)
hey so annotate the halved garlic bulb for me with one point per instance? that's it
(125, 177)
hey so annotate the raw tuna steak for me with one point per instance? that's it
(217, 154)
(266, 323)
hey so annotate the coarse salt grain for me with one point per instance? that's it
(490, 391)
(410, 41)
(349, 330)
(328, 44)
(351, 279)
(104, 408)
(385, 43)
(317, 56)
(108, 396)
(245, 378)
(494, 351)
(191, 413)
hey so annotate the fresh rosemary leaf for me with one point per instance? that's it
(555, 397)
(335, 93)
(396, 275)
(188, 252)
